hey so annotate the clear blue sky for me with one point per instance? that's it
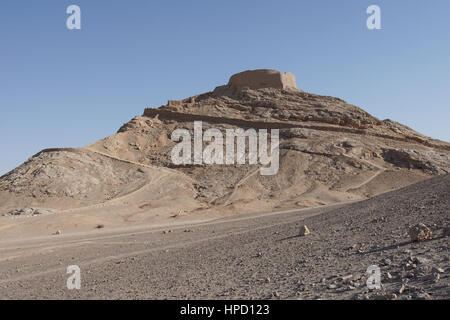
(68, 88)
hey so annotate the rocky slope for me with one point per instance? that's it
(330, 151)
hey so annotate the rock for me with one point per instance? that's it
(304, 231)
(421, 260)
(419, 232)
(58, 232)
(386, 262)
(422, 296)
(345, 278)
(446, 232)
(29, 212)
(349, 144)
(363, 296)
(388, 296)
(436, 277)
(437, 270)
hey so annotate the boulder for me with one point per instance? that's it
(419, 232)
(304, 231)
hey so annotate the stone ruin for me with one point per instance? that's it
(258, 79)
(250, 79)
(263, 78)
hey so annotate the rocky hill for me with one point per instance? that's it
(330, 151)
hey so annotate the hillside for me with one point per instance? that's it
(330, 152)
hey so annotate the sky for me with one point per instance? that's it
(69, 88)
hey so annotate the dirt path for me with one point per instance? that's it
(359, 185)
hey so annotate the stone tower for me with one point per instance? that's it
(258, 79)
(263, 78)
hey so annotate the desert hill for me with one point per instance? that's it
(330, 152)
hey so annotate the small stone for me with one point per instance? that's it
(58, 232)
(388, 296)
(419, 232)
(436, 277)
(345, 278)
(421, 260)
(422, 296)
(363, 297)
(437, 270)
(304, 231)
(332, 286)
(386, 262)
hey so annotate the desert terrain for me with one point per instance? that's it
(140, 226)
(251, 257)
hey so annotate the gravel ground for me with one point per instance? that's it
(250, 257)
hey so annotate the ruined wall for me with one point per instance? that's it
(262, 78)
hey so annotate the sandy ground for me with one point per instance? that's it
(250, 257)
